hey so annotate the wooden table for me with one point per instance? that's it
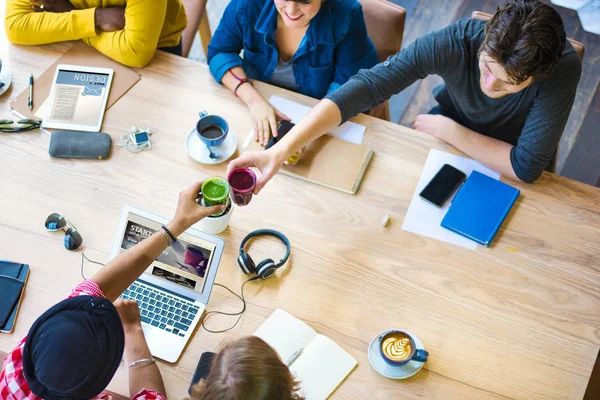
(519, 320)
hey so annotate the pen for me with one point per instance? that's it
(30, 99)
(294, 357)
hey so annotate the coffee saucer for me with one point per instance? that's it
(5, 78)
(385, 369)
(199, 152)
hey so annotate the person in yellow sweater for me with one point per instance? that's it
(128, 31)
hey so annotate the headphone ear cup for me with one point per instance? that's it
(266, 268)
(246, 263)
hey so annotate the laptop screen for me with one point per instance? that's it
(185, 262)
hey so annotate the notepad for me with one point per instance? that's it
(480, 207)
(328, 161)
(318, 362)
(80, 54)
(11, 294)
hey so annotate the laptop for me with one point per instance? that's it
(173, 292)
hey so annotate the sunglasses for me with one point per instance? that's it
(22, 125)
(56, 222)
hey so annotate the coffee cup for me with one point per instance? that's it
(397, 348)
(212, 129)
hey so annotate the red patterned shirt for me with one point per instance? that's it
(13, 385)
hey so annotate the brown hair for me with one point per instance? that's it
(247, 369)
(526, 38)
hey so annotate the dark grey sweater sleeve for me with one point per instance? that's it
(546, 120)
(434, 53)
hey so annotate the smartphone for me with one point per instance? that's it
(282, 129)
(442, 185)
(203, 369)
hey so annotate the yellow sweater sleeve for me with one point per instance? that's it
(24, 26)
(136, 44)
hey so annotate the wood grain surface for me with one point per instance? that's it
(519, 320)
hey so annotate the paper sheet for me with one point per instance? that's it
(348, 131)
(425, 219)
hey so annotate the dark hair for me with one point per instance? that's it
(526, 38)
(247, 369)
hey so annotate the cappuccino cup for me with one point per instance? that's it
(397, 348)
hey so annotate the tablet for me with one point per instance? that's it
(78, 98)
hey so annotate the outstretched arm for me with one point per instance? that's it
(119, 273)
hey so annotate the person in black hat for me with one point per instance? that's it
(74, 349)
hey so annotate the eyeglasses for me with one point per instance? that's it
(56, 222)
(22, 125)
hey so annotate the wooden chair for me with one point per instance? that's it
(197, 22)
(385, 27)
(579, 48)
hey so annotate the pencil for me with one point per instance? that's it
(30, 98)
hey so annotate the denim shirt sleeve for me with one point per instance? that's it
(354, 52)
(226, 44)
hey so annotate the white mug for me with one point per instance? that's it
(216, 225)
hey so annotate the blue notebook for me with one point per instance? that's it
(479, 208)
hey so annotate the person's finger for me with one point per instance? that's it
(265, 177)
(206, 211)
(265, 132)
(244, 161)
(255, 127)
(273, 125)
(193, 190)
(281, 115)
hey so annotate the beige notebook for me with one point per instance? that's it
(329, 161)
(79, 54)
(319, 363)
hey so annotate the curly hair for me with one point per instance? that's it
(526, 38)
(247, 369)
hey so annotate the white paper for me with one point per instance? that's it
(425, 219)
(348, 131)
(285, 333)
(321, 367)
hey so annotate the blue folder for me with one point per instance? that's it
(479, 208)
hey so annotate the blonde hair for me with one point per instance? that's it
(247, 369)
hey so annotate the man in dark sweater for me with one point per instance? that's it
(509, 84)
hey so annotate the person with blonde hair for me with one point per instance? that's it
(248, 369)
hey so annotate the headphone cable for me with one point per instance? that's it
(239, 313)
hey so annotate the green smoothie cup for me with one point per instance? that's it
(215, 191)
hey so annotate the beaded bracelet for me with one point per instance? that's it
(173, 238)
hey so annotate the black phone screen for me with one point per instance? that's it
(442, 185)
(282, 129)
(203, 368)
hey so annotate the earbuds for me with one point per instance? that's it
(137, 139)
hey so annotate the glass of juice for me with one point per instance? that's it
(242, 182)
(215, 191)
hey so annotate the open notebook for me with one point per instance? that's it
(318, 363)
(328, 161)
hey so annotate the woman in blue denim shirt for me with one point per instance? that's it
(309, 46)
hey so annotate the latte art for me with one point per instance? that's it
(397, 347)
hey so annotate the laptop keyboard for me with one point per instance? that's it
(161, 309)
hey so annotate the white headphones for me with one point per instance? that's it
(137, 139)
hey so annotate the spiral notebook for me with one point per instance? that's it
(328, 161)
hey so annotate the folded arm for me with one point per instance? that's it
(136, 44)
(25, 26)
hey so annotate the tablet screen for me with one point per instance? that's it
(79, 97)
